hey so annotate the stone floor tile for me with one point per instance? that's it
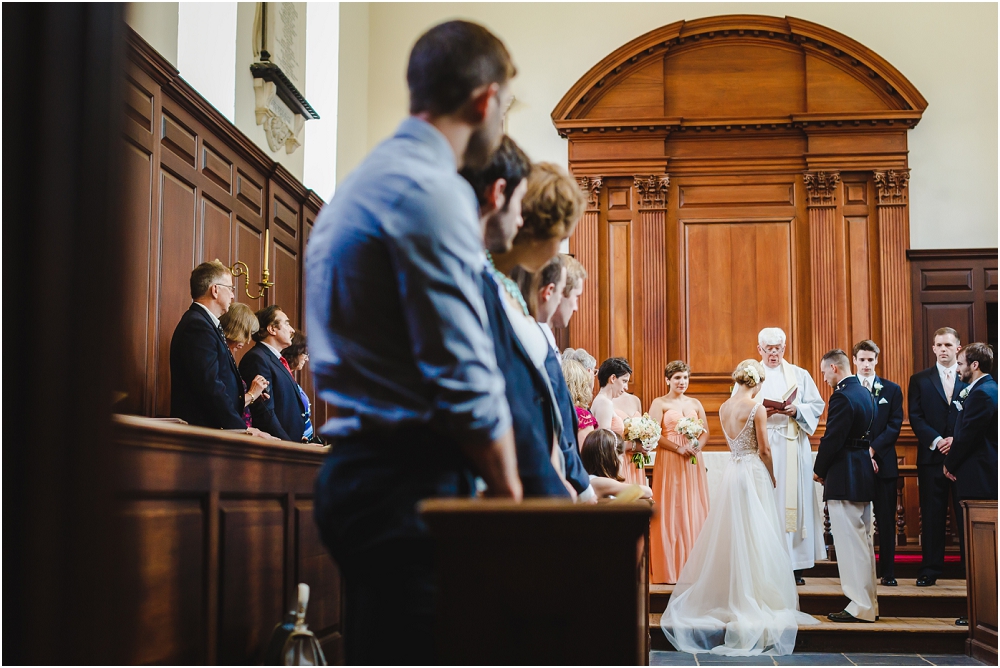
(661, 658)
(887, 659)
(951, 660)
(721, 660)
(813, 659)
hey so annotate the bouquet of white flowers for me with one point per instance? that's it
(647, 432)
(691, 428)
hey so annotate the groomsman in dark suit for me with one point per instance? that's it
(205, 386)
(885, 431)
(281, 414)
(971, 462)
(933, 414)
(846, 468)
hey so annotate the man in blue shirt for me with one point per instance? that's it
(400, 345)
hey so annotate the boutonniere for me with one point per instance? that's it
(878, 387)
(958, 405)
(964, 393)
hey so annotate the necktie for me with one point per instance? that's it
(949, 384)
(284, 363)
(867, 383)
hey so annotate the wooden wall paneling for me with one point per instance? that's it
(821, 189)
(894, 239)
(649, 244)
(314, 566)
(981, 575)
(283, 220)
(583, 329)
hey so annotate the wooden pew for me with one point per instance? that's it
(542, 582)
(981, 576)
(217, 530)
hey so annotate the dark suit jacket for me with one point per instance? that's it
(576, 474)
(530, 402)
(281, 414)
(930, 413)
(843, 460)
(973, 455)
(885, 429)
(205, 385)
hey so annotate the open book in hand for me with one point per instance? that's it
(786, 399)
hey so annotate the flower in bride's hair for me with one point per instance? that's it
(752, 373)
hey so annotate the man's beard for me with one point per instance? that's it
(483, 142)
(496, 237)
(966, 377)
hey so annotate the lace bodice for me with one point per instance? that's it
(745, 443)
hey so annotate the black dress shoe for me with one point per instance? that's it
(889, 582)
(926, 581)
(962, 621)
(845, 616)
(799, 581)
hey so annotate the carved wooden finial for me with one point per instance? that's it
(651, 191)
(591, 185)
(891, 186)
(821, 188)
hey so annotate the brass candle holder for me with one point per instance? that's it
(240, 268)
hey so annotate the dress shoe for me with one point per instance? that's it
(800, 581)
(889, 582)
(962, 621)
(845, 616)
(926, 581)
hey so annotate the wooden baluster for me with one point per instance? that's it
(831, 550)
(900, 512)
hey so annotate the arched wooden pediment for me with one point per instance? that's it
(739, 69)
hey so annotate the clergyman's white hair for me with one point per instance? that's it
(771, 336)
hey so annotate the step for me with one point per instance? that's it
(907, 570)
(910, 635)
(820, 596)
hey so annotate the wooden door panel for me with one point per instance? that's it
(169, 535)
(315, 567)
(138, 168)
(216, 233)
(860, 279)
(956, 315)
(178, 223)
(621, 288)
(252, 592)
(285, 274)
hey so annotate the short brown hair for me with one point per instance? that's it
(837, 357)
(204, 277)
(239, 323)
(265, 318)
(947, 330)
(579, 382)
(450, 61)
(575, 273)
(600, 454)
(866, 345)
(677, 366)
(979, 352)
(552, 206)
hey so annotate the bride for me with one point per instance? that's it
(736, 593)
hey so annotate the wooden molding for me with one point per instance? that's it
(591, 185)
(651, 191)
(929, 254)
(891, 186)
(821, 188)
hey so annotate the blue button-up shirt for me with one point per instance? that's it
(397, 326)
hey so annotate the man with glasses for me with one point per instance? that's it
(205, 385)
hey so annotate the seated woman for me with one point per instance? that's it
(297, 355)
(238, 325)
(601, 453)
(581, 389)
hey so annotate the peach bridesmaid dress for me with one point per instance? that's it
(680, 490)
(627, 468)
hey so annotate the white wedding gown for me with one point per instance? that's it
(736, 593)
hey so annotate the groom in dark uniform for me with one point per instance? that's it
(846, 469)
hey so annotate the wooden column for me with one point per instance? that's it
(650, 247)
(583, 330)
(894, 239)
(821, 190)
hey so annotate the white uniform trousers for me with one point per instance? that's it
(851, 525)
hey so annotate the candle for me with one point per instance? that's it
(267, 247)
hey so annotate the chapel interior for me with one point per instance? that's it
(845, 153)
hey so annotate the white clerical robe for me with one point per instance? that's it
(803, 517)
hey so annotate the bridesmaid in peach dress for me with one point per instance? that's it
(613, 377)
(680, 488)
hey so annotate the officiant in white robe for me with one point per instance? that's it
(788, 434)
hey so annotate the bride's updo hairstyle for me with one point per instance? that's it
(749, 373)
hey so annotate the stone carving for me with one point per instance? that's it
(651, 191)
(282, 126)
(891, 186)
(591, 185)
(821, 188)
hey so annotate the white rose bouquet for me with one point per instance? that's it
(647, 432)
(691, 428)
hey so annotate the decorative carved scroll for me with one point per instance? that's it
(651, 191)
(891, 186)
(821, 188)
(592, 186)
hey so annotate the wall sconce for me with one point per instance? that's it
(240, 268)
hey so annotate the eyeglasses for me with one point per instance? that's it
(231, 287)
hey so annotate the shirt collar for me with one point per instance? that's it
(973, 383)
(277, 353)
(215, 321)
(942, 369)
(862, 379)
(427, 134)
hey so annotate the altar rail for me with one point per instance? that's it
(218, 529)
